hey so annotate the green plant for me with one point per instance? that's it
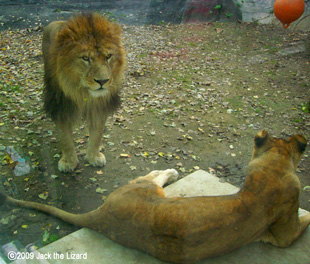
(305, 107)
(48, 238)
(10, 88)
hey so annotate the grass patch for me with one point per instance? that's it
(305, 108)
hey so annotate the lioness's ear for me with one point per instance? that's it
(260, 138)
(301, 142)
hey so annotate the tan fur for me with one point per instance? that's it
(84, 63)
(187, 230)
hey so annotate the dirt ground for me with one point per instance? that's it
(194, 97)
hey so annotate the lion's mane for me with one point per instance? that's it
(64, 97)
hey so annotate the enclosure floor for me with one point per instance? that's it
(100, 249)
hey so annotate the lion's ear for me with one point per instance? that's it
(301, 142)
(261, 138)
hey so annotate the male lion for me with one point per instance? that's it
(84, 63)
(186, 230)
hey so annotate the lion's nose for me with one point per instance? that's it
(102, 82)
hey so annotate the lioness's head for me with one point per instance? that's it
(292, 147)
(90, 56)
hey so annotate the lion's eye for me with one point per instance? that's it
(109, 56)
(86, 58)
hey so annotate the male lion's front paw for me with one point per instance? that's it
(96, 160)
(67, 164)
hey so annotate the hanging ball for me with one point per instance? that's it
(287, 11)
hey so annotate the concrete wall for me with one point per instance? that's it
(262, 12)
(153, 11)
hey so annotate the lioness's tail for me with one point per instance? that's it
(76, 219)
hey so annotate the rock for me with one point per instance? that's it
(262, 12)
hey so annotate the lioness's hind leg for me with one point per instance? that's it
(166, 176)
(283, 235)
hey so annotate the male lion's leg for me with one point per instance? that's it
(93, 154)
(69, 160)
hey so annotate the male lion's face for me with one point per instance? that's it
(95, 70)
(91, 54)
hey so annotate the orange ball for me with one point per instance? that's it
(287, 11)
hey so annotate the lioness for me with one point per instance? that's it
(186, 230)
(84, 63)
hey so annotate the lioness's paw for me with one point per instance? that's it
(66, 164)
(172, 174)
(150, 176)
(96, 160)
(153, 174)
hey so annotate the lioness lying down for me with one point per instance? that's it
(186, 230)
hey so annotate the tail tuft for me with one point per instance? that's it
(2, 199)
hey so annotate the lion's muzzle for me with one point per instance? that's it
(101, 82)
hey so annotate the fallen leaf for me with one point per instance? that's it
(43, 195)
(201, 130)
(45, 236)
(100, 190)
(133, 167)
(211, 170)
(6, 220)
(182, 169)
(125, 155)
(93, 179)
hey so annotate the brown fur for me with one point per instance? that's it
(186, 230)
(84, 62)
